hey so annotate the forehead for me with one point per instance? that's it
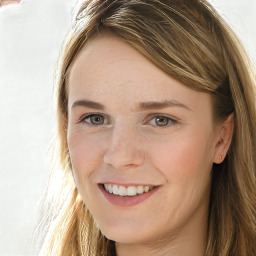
(108, 69)
(108, 58)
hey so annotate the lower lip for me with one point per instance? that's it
(127, 200)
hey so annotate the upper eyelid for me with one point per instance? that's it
(83, 117)
(148, 117)
(151, 116)
(170, 119)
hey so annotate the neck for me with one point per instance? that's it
(188, 242)
(184, 247)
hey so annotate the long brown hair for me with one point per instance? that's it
(189, 41)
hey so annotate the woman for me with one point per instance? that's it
(156, 119)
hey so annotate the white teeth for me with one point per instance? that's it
(122, 191)
(115, 189)
(129, 191)
(140, 190)
(110, 189)
(106, 187)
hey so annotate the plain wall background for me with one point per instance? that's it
(30, 38)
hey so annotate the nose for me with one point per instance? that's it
(124, 149)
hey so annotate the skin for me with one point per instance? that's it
(132, 147)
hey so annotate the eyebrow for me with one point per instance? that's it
(88, 104)
(142, 106)
(161, 105)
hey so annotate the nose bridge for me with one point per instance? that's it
(123, 134)
(124, 149)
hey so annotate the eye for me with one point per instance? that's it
(161, 121)
(94, 119)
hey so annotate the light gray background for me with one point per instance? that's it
(30, 37)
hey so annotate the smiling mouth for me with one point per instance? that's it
(129, 191)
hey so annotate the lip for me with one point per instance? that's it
(127, 200)
(127, 184)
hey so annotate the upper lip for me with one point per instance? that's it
(128, 184)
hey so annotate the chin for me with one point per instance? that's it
(120, 236)
(127, 236)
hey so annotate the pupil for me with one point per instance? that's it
(161, 121)
(97, 120)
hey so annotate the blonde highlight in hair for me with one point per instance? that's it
(189, 41)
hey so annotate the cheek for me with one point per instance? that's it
(184, 162)
(186, 166)
(85, 154)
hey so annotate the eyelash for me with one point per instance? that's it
(83, 118)
(171, 121)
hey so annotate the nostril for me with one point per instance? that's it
(123, 159)
(122, 152)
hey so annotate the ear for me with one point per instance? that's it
(223, 139)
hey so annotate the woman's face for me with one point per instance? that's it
(145, 136)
